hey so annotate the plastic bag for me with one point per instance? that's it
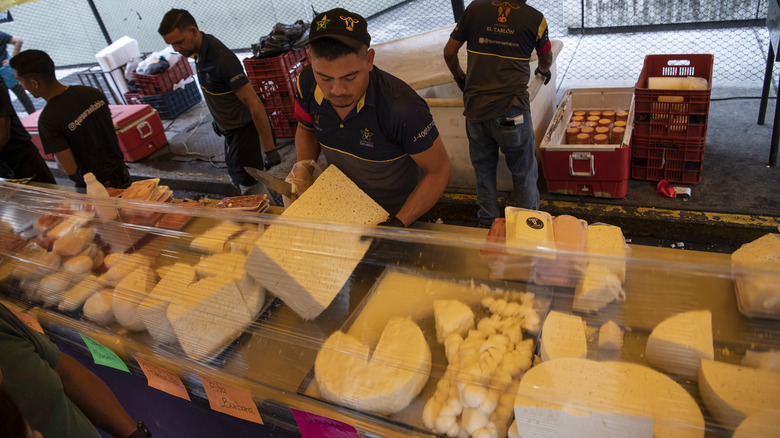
(301, 179)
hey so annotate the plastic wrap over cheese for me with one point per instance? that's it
(555, 327)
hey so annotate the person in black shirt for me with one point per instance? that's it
(75, 125)
(17, 151)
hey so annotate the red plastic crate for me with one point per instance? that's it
(283, 123)
(151, 85)
(133, 98)
(276, 93)
(676, 160)
(677, 113)
(285, 65)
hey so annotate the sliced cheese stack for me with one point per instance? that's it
(214, 239)
(208, 314)
(564, 270)
(759, 292)
(306, 267)
(603, 279)
(580, 397)
(155, 306)
(452, 316)
(563, 335)
(128, 295)
(384, 382)
(679, 343)
(732, 392)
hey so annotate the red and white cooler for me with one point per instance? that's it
(600, 170)
(139, 130)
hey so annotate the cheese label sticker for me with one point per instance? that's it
(104, 356)
(232, 401)
(28, 320)
(317, 426)
(162, 379)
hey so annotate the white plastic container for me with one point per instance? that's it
(95, 188)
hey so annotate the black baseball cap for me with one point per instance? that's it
(340, 24)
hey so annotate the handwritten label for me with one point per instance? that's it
(162, 379)
(104, 356)
(317, 426)
(28, 320)
(232, 401)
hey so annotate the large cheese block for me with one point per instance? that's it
(452, 316)
(224, 263)
(580, 397)
(563, 335)
(758, 292)
(605, 273)
(760, 425)
(732, 392)
(155, 306)
(207, 315)
(129, 294)
(214, 239)
(307, 265)
(679, 343)
(384, 382)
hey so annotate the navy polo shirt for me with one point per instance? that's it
(374, 143)
(221, 74)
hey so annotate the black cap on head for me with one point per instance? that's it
(340, 24)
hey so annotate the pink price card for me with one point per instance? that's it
(162, 379)
(232, 401)
(317, 426)
(29, 320)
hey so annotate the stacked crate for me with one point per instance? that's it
(274, 79)
(157, 90)
(670, 125)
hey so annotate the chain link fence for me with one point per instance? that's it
(605, 41)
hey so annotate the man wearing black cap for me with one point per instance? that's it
(369, 124)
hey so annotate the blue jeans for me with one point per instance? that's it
(516, 142)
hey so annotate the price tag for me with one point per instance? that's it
(104, 356)
(232, 401)
(29, 320)
(317, 426)
(162, 379)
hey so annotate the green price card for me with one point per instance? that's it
(104, 356)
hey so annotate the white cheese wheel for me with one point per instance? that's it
(154, 307)
(580, 397)
(384, 382)
(679, 343)
(207, 315)
(733, 392)
(128, 295)
(598, 287)
(452, 316)
(563, 335)
(760, 425)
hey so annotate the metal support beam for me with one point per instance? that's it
(100, 21)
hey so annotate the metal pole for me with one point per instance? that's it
(99, 21)
(770, 62)
(457, 9)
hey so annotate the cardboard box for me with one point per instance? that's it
(591, 170)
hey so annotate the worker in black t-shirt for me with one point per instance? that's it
(17, 150)
(75, 125)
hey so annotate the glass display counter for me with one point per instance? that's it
(398, 332)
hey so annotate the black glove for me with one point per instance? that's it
(461, 81)
(393, 222)
(547, 75)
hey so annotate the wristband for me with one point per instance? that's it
(141, 432)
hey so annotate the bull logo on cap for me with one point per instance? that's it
(504, 8)
(350, 22)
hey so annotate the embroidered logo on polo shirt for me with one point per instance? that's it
(504, 8)
(350, 22)
(316, 118)
(322, 24)
(367, 139)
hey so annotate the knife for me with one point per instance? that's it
(278, 185)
